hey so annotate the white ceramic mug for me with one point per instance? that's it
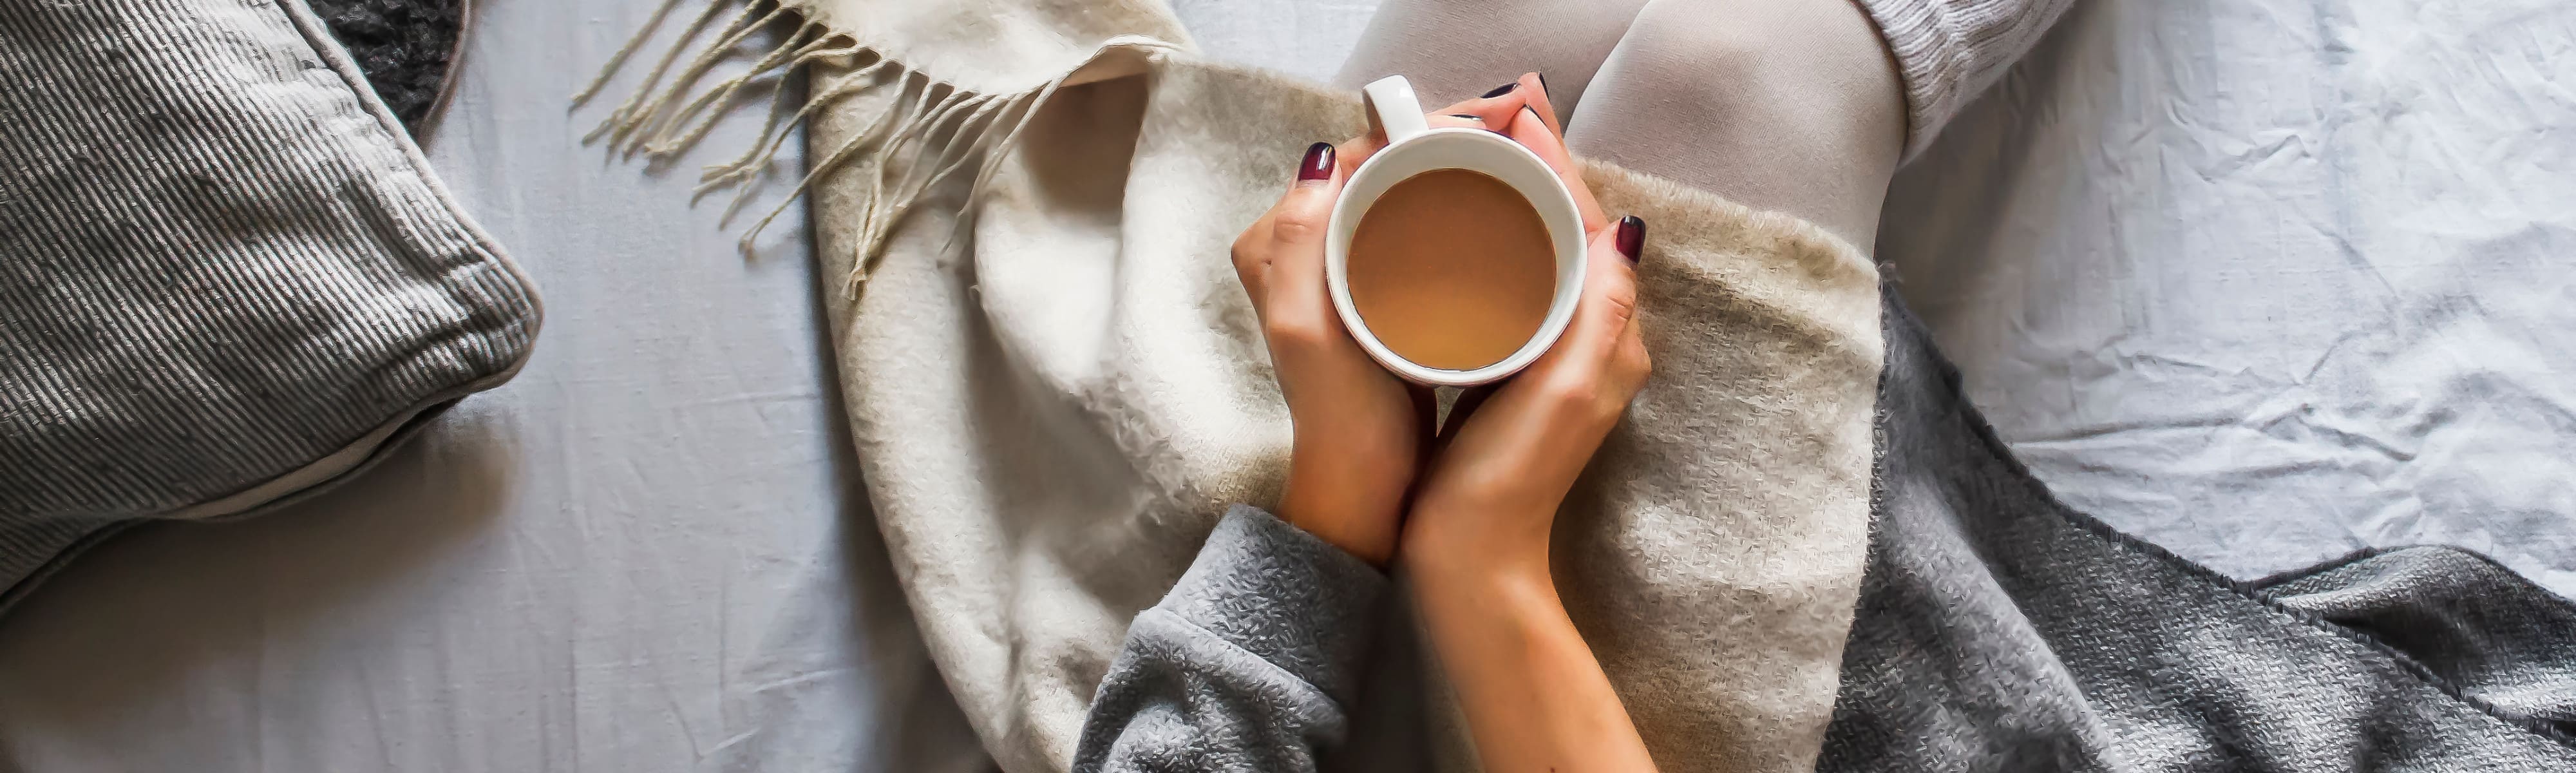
(1413, 147)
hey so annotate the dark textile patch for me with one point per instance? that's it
(404, 47)
(1999, 630)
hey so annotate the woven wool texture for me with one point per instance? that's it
(2000, 630)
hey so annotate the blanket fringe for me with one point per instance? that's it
(934, 128)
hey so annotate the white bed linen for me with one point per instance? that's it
(2267, 281)
(647, 553)
(2261, 281)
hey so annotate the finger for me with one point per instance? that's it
(1489, 114)
(1252, 264)
(1609, 301)
(1533, 88)
(1532, 131)
(1295, 272)
(1253, 250)
(1468, 120)
(1495, 111)
(1629, 357)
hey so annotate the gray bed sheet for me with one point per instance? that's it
(2261, 281)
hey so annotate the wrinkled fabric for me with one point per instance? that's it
(2000, 630)
(2266, 282)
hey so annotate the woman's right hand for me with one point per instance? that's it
(1476, 541)
(1512, 451)
(1489, 499)
(1476, 537)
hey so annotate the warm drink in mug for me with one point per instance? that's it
(1454, 255)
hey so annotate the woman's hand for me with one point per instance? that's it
(1513, 450)
(1359, 431)
(1534, 697)
(1489, 500)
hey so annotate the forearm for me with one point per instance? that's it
(1338, 491)
(1535, 699)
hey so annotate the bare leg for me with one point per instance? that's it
(1789, 105)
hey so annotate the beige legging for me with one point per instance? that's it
(1788, 105)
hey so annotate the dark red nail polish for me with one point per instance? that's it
(1468, 116)
(1318, 164)
(1542, 86)
(1501, 90)
(1632, 237)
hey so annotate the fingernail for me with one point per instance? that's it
(1632, 237)
(1318, 164)
(1542, 85)
(1501, 90)
(1475, 118)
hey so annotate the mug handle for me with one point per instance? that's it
(1392, 106)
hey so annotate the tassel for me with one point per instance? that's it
(931, 128)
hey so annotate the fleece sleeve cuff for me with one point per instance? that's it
(1284, 595)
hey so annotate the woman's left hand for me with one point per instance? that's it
(1359, 431)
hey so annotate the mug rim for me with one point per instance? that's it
(1570, 269)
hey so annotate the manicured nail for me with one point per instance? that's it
(1542, 86)
(1632, 237)
(1501, 90)
(1318, 164)
(1475, 118)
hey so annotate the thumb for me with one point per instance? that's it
(1609, 300)
(1299, 217)
(1297, 226)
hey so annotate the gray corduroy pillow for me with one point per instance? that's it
(226, 275)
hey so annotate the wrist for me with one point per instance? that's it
(1448, 584)
(1448, 541)
(1355, 507)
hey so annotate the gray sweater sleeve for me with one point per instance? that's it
(1245, 666)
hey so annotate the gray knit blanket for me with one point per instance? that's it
(227, 277)
(1999, 630)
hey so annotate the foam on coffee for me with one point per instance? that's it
(1452, 269)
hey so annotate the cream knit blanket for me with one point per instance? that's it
(1057, 386)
